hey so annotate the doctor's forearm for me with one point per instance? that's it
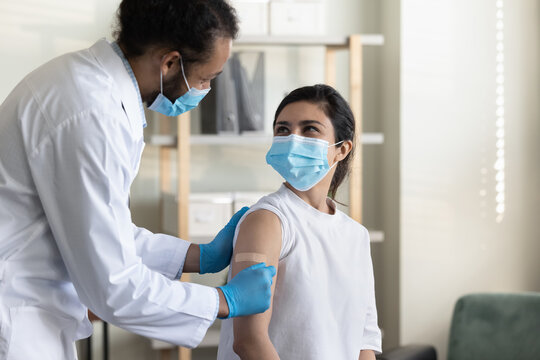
(191, 264)
(223, 307)
(193, 257)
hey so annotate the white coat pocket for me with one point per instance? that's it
(35, 333)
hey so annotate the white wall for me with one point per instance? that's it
(33, 32)
(387, 253)
(451, 241)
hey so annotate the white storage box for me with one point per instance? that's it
(297, 18)
(253, 15)
(248, 199)
(208, 214)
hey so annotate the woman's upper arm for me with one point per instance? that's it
(259, 240)
(366, 355)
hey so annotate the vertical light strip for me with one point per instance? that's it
(499, 165)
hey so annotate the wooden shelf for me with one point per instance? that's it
(251, 139)
(375, 236)
(338, 41)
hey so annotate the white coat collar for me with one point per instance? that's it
(129, 93)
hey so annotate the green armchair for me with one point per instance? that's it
(487, 327)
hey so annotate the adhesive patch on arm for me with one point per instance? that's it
(255, 257)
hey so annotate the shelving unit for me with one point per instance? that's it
(183, 140)
(340, 41)
(375, 236)
(252, 139)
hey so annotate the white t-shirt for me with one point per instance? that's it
(324, 299)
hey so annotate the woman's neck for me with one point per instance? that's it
(315, 197)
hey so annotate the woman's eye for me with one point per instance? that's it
(281, 130)
(311, 129)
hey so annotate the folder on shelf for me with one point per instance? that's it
(249, 89)
(237, 103)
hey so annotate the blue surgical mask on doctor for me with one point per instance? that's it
(301, 161)
(184, 103)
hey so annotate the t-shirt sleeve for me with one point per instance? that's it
(371, 339)
(286, 238)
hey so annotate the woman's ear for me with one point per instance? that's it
(343, 150)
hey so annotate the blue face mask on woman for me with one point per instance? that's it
(184, 103)
(302, 161)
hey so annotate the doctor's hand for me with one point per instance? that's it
(249, 292)
(216, 255)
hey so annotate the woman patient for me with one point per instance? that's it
(323, 298)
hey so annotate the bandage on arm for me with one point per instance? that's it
(259, 240)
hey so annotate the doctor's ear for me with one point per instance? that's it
(170, 61)
(343, 149)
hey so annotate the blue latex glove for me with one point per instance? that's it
(216, 255)
(249, 292)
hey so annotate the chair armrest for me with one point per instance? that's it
(410, 352)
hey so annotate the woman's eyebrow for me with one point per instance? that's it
(311, 122)
(283, 123)
(302, 123)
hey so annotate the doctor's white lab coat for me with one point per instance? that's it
(71, 138)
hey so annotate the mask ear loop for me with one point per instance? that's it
(339, 142)
(334, 164)
(161, 76)
(161, 80)
(183, 73)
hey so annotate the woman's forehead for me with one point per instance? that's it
(301, 111)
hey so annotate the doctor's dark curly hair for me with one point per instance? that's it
(340, 114)
(187, 26)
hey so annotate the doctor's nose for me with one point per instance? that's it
(202, 84)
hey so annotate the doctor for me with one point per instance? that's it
(71, 138)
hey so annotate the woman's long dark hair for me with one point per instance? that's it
(340, 114)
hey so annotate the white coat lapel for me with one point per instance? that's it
(128, 93)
